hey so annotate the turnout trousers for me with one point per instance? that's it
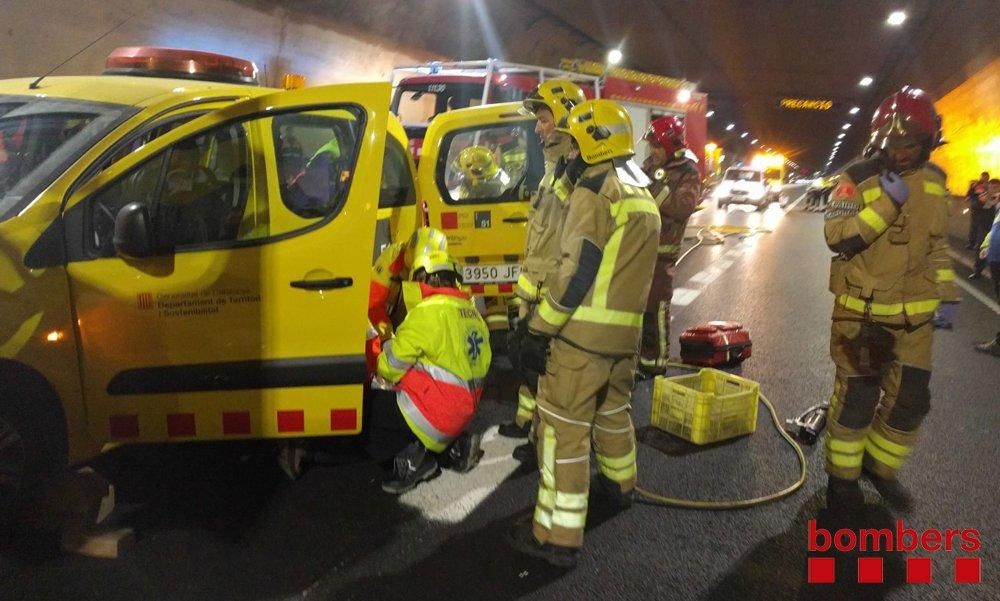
(880, 396)
(655, 350)
(581, 397)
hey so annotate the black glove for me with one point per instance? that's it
(534, 352)
(574, 169)
(560, 168)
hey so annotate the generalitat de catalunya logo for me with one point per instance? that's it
(959, 544)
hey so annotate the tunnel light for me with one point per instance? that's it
(683, 95)
(744, 134)
(865, 81)
(731, 127)
(855, 110)
(896, 18)
(841, 136)
(846, 126)
(754, 141)
(615, 56)
(709, 113)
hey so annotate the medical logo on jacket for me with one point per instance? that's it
(475, 342)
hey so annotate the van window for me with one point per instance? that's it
(235, 183)
(490, 164)
(743, 175)
(397, 180)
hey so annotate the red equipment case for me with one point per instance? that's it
(715, 343)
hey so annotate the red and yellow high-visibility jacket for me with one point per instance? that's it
(438, 360)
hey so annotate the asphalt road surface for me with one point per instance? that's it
(220, 521)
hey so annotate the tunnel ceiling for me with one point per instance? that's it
(745, 55)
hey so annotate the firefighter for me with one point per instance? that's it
(888, 221)
(585, 334)
(391, 269)
(676, 189)
(436, 361)
(550, 103)
(481, 176)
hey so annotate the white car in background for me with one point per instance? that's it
(743, 185)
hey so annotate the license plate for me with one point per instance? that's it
(490, 274)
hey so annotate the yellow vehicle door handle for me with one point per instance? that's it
(326, 284)
(515, 219)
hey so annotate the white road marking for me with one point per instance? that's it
(724, 264)
(458, 510)
(705, 277)
(795, 202)
(684, 296)
(966, 261)
(979, 296)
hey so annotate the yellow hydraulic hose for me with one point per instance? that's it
(656, 499)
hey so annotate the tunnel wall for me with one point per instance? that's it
(971, 123)
(277, 40)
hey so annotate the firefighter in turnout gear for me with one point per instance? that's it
(481, 176)
(676, 189)
(391, 269)
(585, 334)
(888, 223)
(550, 103)
(437, 361)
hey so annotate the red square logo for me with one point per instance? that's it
(918, 570)
(291, 421)
(820, 570)
(124, 426)
(236, 422)
(180, 424)
(343, 419)
(870, 570)
(968, 570)
(449, 221)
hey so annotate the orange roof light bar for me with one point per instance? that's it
(151, 61)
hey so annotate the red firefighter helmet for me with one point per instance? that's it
(904, 117)
(668, 132)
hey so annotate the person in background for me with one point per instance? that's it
(990, 253)
(988, 200)
(977, 212)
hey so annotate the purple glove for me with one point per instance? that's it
(944, 318)
(895, 187)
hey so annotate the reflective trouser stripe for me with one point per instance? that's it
(525, 406)
(661, 333)
(619, 469)
(547, 487)
(432, 438)
(945, 275)
(846, 454)
(890, 453)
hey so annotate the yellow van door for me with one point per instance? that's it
(220, 289)
(478, 170)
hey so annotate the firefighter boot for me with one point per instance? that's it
(411, 467)
(465, 452)
(525, 454)
(612, 491)
(991, 348)
(523, 540)
(895, 494)
(512, 430)
(844, 496)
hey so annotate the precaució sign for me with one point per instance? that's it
(805, 104)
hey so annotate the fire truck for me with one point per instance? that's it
(424, 91)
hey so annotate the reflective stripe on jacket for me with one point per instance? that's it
(596, 299)
(438, 359)
(388, 273)
(676, 190)
(545, 222)
(892, 264)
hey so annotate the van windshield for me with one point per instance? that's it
(41, 137)
(418, 103)
(743, 175)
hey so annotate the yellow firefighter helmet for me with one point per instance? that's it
(477, 164)
(558, 95)
(602, 129)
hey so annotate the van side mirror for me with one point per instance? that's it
(134, 232)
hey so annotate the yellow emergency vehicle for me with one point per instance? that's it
(486, 231)
(185, 256)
